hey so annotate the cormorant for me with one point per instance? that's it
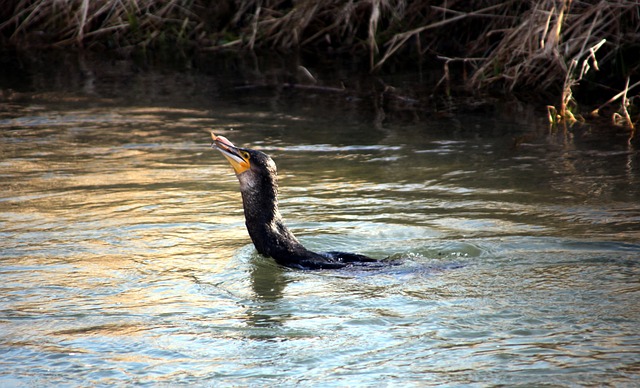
(257, 174)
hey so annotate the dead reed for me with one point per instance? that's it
(557, 44)
(545, 47)
(111, 24)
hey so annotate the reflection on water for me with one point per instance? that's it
(125, 260)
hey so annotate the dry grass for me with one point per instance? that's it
(114, 24)
(557, 44)
(546, 47)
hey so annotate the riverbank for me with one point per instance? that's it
(580, 60)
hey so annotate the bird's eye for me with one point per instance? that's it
(245, 155)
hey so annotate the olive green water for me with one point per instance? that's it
(124, 259)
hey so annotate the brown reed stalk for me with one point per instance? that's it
(400, 39)
(86, 22)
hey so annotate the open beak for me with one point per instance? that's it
(238, 157)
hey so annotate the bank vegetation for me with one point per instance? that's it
(572, 54)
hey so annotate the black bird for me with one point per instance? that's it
(257, 174)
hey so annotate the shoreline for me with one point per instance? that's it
(565, 57)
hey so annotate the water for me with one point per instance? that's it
(124, 258)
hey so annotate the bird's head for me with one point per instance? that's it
(240, 158)
(247, 163)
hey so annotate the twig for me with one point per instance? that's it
(454, 12)
(84, 9)
(622, 93)
(316, 88)
(254, 28)
(625, 103)
(458, 59)
(373, 27)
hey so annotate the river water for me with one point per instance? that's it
(124, 259)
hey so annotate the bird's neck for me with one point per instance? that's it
(263, 220)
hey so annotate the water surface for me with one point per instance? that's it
(124, 259)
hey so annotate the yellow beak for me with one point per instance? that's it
(238, 157)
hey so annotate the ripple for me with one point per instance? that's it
(125, 259)
(331, 148)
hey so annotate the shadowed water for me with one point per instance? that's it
(124, 258)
